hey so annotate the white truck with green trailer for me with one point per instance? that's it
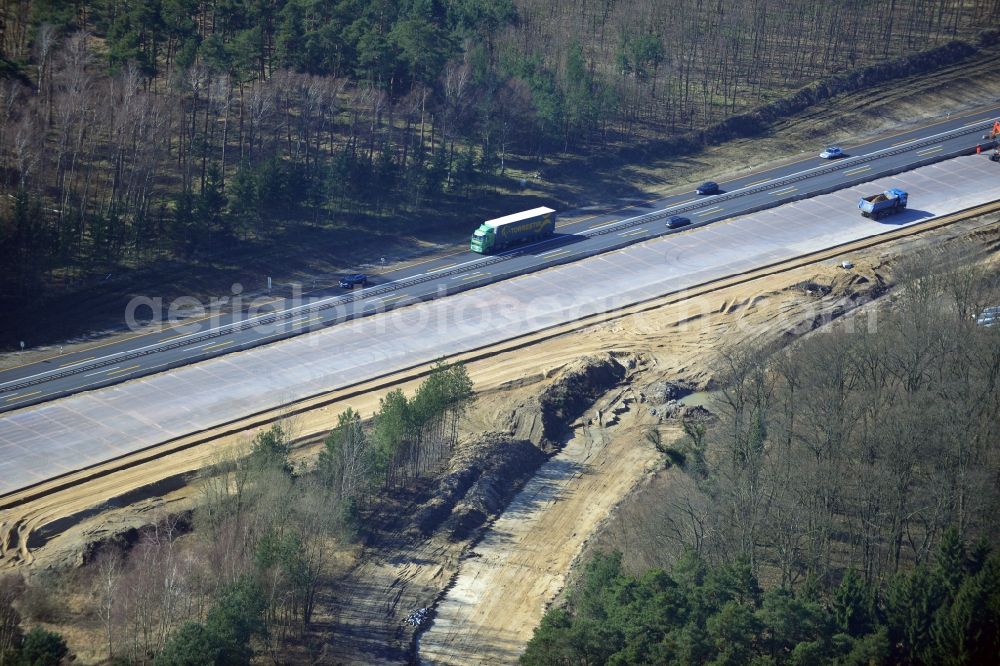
(503, 232)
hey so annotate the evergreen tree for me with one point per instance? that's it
(733, 631)
(912, 600)
(423, 48)
(211, 205)
(186, 229)
(42, 648)
(465, 174)
(236, 617)
(950, 562)
(580, 110)
(481, 20)
(270, 449)
(346, 465)
(243, 195)
(550, 643)
(392, 433)
(274, 187)
(191, 645)
(854, 605)
(437, 174)
(968, 630)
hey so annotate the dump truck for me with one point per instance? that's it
(504, 232)
(880, 205)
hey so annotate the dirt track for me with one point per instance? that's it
(499, 596)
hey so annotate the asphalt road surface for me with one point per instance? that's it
(91, 427)
(208, 337)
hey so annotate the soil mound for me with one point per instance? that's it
(546, 420)
(485, 473)
(663, 391)
(508, 466)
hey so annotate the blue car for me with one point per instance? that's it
(356, 280)
(708, 187)
(676, 222)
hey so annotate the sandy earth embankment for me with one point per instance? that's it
(499, 595)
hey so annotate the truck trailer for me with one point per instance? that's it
(880, 205)
(503, 232)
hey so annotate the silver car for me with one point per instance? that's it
(831, 153)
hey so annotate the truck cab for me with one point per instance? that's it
(483, 239)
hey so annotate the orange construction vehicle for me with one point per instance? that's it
(992, 140)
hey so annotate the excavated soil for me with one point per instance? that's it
(405, 570)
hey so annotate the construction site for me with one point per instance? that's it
(563, 440)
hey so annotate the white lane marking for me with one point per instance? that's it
(611, 224)
(557, 254)
(441, 268)
(21, 396)
(391, 298)
(128, 369)
(928, 151)
(216, 345)
(82, 360)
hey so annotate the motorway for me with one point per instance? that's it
(79, 431)
(178, 345)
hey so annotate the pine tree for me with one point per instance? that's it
(210, 206)
(854, 605)
(950, 562)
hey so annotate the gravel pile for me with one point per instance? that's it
(417, 617)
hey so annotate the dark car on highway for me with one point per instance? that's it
(708, 187)
(356, 280)
(676, 222)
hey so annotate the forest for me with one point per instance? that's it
(944, 612)
(135, 135)
(839, 508)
